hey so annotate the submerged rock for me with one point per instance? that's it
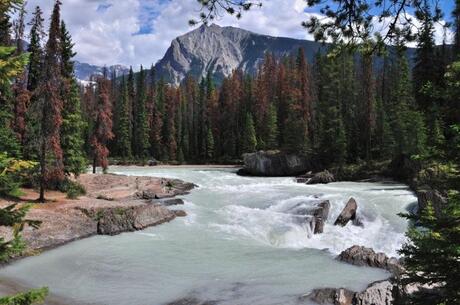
(191, 301)
(361, 256)
(274, 163)
(348, 213)
(170, 202)
(323, 177)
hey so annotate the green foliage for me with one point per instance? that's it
(433, 254)
(13, 216)
(72, 131)
(36, 296)
(140, 127)
(122, 129)
(11, 65)
(249, 135)
(72, 188)
(12, 172)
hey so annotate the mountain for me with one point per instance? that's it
(84, 71)
(221, 50)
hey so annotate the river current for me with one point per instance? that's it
(236, 246)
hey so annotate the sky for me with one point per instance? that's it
(135, 32)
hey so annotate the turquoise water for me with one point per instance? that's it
(236, 245)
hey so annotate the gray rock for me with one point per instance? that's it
(348, 213)
(323, 177)
(113, 221)
(152, 162)
(331, 296)
(274, 163)
(170, 202)
(180, 213)
(147, 195)
(361, 256)
(378, 293)
(315, 216)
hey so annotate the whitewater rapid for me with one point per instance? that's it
(237, 245)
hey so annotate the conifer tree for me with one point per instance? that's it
(249, 135)
(140, 130)
(35, 50)
(122, 134)
(72, 121)
(155, 127)
(210, 146)
(272, 128)
(49, 109)
(431, 255)
(102, 132)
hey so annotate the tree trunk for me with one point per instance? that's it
(94, 165)
(42, 171)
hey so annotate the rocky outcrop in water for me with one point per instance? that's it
(314, 215)
(274, 163)
(362, 256)
(348, 213)
(170, 202)
(323, 177)
(378, 293)
(116, 220)
(332, 296)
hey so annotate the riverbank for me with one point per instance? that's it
(113, 204)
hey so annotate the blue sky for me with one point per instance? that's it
(134, 32)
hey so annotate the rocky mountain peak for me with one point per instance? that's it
(221, 50)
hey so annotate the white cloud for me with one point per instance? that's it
(110, 31)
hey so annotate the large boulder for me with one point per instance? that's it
(116, 220)
(378, 293)
(348, 213)
(361, 256)
(274, 163)
(323, 177)
(331, 296)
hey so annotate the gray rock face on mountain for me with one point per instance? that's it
(220, 50)
(84, 71)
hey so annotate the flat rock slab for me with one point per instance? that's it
(110, 207)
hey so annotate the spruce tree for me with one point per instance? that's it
(272, 128)
(122, 134)
(431, 255)
(35, 50)
(155, 126)
(102, 132)
(140, 131)
(72, 121)
(49, 109)
(210, 146)
(249, 135)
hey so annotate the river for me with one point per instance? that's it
(236, 245)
